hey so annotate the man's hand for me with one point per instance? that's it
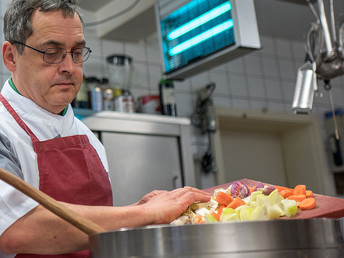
(165, 206)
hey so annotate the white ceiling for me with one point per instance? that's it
(278, 18)
(92, 5)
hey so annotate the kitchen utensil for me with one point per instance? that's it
(120, 71)
(306, 85)
(82, 223)
(334, 141)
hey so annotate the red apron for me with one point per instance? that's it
(70, 171)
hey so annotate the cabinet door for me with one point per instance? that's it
(139, 164)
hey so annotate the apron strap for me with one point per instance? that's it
(18, 119)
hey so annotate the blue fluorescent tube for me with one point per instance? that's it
(201, 37)
(204, 18)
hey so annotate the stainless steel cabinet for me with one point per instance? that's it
(145, 153)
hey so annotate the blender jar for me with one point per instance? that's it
(120, 71)
(120, 77)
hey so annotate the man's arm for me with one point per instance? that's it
(41, 232)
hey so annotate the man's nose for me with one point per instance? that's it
(67, 64)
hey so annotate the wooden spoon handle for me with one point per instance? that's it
(81, 222)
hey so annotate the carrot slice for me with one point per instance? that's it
(307, 204)
(223, 198)
(220, 210)
(236, 203)
(281, 188)
(297, 197)
(286, 193)
(309, 193)
(251, 189)
(300, 189)
(215, 215)
(200, 220)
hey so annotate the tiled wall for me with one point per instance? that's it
(263, 79)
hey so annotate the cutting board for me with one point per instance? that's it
(326, 206)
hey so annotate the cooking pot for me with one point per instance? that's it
(278, 238)
(259, 239)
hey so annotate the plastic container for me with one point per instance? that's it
(149, 104)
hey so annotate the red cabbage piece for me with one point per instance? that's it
(239, 189)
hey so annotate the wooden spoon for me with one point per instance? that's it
(82, 223)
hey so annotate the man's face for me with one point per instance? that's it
(51, 86)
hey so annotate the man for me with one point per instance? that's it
(42, 142)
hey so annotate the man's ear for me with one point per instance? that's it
(9, 51)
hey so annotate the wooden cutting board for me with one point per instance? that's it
(326, 206)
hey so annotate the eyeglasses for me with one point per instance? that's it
(57, 55)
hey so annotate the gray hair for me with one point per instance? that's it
(18, 22)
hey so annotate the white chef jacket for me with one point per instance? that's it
(45, 125)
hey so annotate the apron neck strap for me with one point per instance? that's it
(18, 119)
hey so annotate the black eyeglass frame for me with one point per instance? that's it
(89, 51)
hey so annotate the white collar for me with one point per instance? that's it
(44, 124)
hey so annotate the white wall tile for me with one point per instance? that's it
(276, 106)
(221, 81)
(256, 87)
(270, 67)
(268, 46)
(199, 81)
(253, 65)
(273, 89)
(240, 103)
(112, 47)
(236, 65)
(140, 76)
(96, 47)
(184, 104)
(153, 49)
(155, 75)
(287, 68)
(238, 85)
(184, 85)
(288, 89)
(259, 105)
(283, 48)
(221, 101)
(95, 67)
(137, 50)
(298, 50)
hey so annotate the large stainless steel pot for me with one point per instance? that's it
(279, 238)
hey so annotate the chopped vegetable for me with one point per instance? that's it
(245, 213)
(297, 197)
(210, 218)
(236, 203)
(300, 189)
(290, 207)
(215, 215)
(239, 189)
(223, 198)
(286, 193)
(307, 204)
(309, 193)
(281, 188)
(241, 203)
(258, 214)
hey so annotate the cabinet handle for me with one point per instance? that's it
(174, 181)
